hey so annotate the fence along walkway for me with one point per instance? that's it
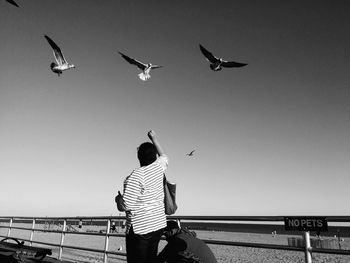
(66, 228)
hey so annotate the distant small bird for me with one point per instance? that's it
(61, 63)
(218, 63)
(120, 248)
(146, 68)
(191, 153)
(12, 2)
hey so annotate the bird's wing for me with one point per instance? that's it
(139, 64)
(210, 57)
(156, 66)
(232, 64)
(12, 2)
(56, 51)
(191, 153)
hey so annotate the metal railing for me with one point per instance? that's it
(67, 229)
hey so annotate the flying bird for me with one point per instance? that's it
(146, 68)
(61, 63)
(12, 2)
(216, 64)
(191, 153)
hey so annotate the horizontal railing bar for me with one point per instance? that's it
(330, 251)
(91, 234)
(205, 218)
(37, 242)
(42, 243)
(227, 218)
(76, 218)
(116, 235)
(116, 253)
(52, 231)
(253, 218)
(26, 228)
(66, 232)
(73, 247)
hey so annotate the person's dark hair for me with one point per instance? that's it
(147, 153)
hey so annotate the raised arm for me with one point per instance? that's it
(153, 137)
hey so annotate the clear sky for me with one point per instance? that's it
(271, 138)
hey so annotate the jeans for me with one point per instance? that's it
(142, 248)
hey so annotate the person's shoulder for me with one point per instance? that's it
(135, 174)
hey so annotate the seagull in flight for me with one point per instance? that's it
(146, 68)
(12, 2)
(61, 63)
(191, 153)
(216, 64)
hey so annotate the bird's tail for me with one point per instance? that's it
(144, 76)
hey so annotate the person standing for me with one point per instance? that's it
(143, 202)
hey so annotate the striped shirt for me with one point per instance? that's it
(144, 197)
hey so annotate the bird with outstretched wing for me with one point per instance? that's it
(61, 63)
(146, 68)
(216, 64)
(191, 153)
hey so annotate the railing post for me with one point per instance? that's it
(105, 257)
(62, 238)
(9, 230)
(339, 239)
(178, 222)
(308, 258)
(32, 232)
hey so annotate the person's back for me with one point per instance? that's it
(144, 194)
(143, 203)
(184, 246)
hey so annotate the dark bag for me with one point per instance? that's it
(169, 197)
(18, 252)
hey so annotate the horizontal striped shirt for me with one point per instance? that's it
(144, 197)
